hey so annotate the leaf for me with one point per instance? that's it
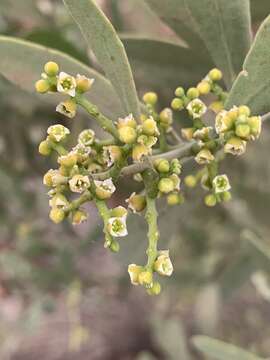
(21, 63)
(223, 26)
(253, 83)
(108, 49)
(219, 350)
(259, 10)
(163, 64)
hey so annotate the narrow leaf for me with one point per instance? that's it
(21, 63)
(108, 49)
(219, 350)
(252, 86)
(223, 26)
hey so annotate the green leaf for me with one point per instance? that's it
(223, 26)
(219, 350)
(21, 63)
(259, 10)
(162, 64)
(252, 86)
(108, 49)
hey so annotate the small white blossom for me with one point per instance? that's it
(104, 189)
(89, 81)
(67, 108)
(196, 108)
(134, 271)
(58, 132)
(204, 156)
(163, 264)
(117, 226)
(66, 84)
(79, 183)
(203, 133)
(86, 137)
(222, 122)
(221, 184)
(235, 146)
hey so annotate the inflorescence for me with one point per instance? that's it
(149, 149)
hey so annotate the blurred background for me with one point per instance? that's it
(62, 295)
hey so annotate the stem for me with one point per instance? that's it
(80, 201)
(162, 140)
(153, 234)
(59, 149)
(105, 215)
(102, 120)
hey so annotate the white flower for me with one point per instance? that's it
(58, 201)
(66, 84)
(58, 132)
(104, 189)
(82, 152)
(136, 202)
(163, 264)
(235, 146)
(79, 183)
(87, 82)
(117, 226)
(111, 154)
(204, 156)
(134, 271)
(221, 184)
(203, 133)
(67, 108)
(196, 108)
(86, 137)
(223, 121)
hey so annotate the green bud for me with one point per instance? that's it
(166, 117)
(175, 166)
(57, 215)
(190, 181)
(243, 131)
(149, 127)
(215, 75)
(166, 185)
(83, 83)
(155, 289)
(136, 202)
(127, 134)
(226, 196)
(244, 110)
(255, 124)
(51, 68)
(162, 165)
(204, 87)
(114, 246)
(150, 98)
(179, 92)
(175, 199)
(210, 200)
(42, 86)
(45, 148)
(193, 93)
(119, 211)
(177, 104)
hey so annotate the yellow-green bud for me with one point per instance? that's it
(145, 278)
(179, 92)
(244, 110)
(193, 93)
(42, 86)
(175, 199)
(45, 148)
(59, 201)
(57, 215)
(166, 185)
(162, 165)
(149, 127)
(150, 98)
(255, 124)
(177, 104)
(204, 87)
(51, 68)
(127, 134)
(190, 181)
(210, 200)
(215, 75)
(155, 289)
(119, 211)
(226, 196)
(166, 117)
(83, 83)
(136, 202)
(114, 246)
(128, 121)
(134, 271)
(243, 131)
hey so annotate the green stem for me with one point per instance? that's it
(102, 120)
(80, 201)
(153, 233)
(59, 149)
(105, 215)
(162, 140)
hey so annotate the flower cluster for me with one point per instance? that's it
(148, 148)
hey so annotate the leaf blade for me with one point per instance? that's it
(108, 49)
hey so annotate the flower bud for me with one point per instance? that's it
(177, 104)
(255, 124)
(58, 201)
(193, 93)
(204, 87)
(136, 202)
(67, 108)
(79, 183)
(210, 200)
(83, 83)
(127, 121)
(162, 165)
(42, 86)
(196, 108)
(166, 185)
(149, 127)
(51, 68)
(68, 160)
(117, 226)
(175, 199)
(216, 106)
(57, 215)
(104, 189)
(179, 92)
(175, 166)
(226, 196)
(78, 217)
(244, 110)
(235, 146)
(215, 75)
(66, 84)
(150, 98)
(163, 264)
(58, 132)
(45, 148)
(53, 178)
(176, 181)
(155, 289)
(166, 117)
(243, 131)
(187, 133)
(190, 181)
(127, 134)
(119, 211)
(82, 152)
(145, 278)
(134, 271)
(86, 137)
(114, 246)
(204, 156)
(139, 151)
(221, 184)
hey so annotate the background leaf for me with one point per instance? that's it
(108, 49)
(21, 63)
(253, 83)
(214, 22)
(219, 350)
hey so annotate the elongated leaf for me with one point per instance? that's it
(252, 86)
(21, 63)
(108, 48)
(219, 350)
(259, 9)
(160, 64)
(223, 26)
